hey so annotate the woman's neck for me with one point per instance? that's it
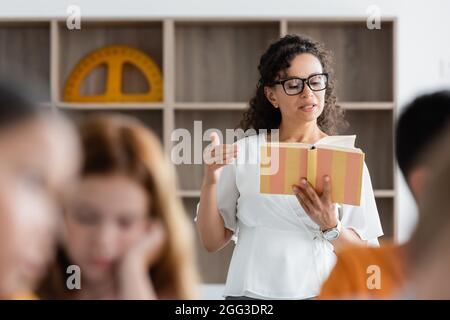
(308, 132)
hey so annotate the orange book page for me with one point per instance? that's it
(281, 167)
(345, 170)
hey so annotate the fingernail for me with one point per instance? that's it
(304, 181)
(327, 178)
(295, 189)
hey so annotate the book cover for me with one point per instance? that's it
(284, 164)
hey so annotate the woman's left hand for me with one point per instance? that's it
(319, 208)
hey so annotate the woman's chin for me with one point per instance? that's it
(95, 275)
(308, 117)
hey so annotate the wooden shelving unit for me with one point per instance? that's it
(209, 71)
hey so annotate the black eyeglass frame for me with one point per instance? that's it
(304, 80)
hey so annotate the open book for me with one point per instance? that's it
(284, 164)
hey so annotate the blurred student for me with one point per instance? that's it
(430, 244)
(39, 155)
(125, 226)
(420, 125)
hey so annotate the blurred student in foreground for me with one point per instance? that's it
(39, 155)
(125, 226)
(421, 124)
(430, 244)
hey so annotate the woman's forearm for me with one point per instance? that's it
(210, 224)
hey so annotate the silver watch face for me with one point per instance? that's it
(331, 234)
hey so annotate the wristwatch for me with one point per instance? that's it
(332, 233)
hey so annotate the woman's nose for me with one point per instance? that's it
(307, 92)
(105, 241)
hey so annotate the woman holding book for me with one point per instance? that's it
(285, 243)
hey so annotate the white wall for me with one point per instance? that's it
(423, 39)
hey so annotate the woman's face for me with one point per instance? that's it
(33, 170)
(106, 215)
(306, 106)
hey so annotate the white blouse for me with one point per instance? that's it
(280, 252)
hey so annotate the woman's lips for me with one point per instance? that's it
(102, 263)
(309, 108)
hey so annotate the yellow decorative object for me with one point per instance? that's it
(114, 57)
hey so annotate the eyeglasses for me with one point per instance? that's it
(295, 85)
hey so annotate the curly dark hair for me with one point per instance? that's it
(261, 114)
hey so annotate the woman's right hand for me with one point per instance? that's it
(216, 156)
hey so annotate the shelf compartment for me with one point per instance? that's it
(217, 61)
(152, 119)
(25, 57)
(191, 175)
(213, 265)
(363, 58)
(374, 135)
(386, 211)
(74, 45)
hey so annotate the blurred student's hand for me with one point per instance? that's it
(148, 249)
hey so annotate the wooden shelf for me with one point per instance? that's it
(367, 105)
(211, 106)
(244, 105)
(196, 193)
(203, 106)
(384, 193)
(111, 106)
(210, 73)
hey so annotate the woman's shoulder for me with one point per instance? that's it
(254, 139)
(248, 149)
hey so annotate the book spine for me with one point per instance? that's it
(358, 197)
(312, 167)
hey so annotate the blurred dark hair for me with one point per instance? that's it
(261, 113)
(431, 236)
(14, 107)
(422, 122)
